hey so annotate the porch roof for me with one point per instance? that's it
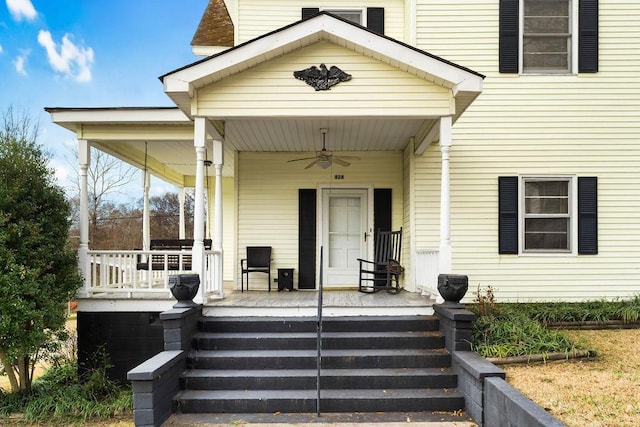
(182, 84)
(162, 138)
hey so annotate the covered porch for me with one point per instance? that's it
(241, 121)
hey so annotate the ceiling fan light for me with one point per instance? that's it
(323, 163)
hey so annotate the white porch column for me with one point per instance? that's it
(146, 217)
(444, 258)
(200, 144)
(218, 162)
(181, 226)
(84, 159)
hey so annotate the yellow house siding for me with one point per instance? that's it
(268, 198)
(461, 31)
(270, 89)
(427, 199)
(538, 125)
(257, 17)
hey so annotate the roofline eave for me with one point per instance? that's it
(303, 33)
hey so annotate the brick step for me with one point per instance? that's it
(291, 379)
(308, 340)
(363, 400)
(331, 359)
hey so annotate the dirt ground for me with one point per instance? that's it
(601, 392)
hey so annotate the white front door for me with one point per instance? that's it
(345, 224)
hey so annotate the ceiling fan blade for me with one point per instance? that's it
(347, 157)
(303, 158)
(311, 164)
(340, 161)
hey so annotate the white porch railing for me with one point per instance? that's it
(213, 282)
(427, 270)
(119, 274)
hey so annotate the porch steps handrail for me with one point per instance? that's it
(319, 329)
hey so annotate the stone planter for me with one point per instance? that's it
(184, 287)
(452, 288)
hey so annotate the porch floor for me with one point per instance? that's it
(305, 303)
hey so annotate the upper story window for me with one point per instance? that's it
(349, 15)
(547, 36)
(371, 17)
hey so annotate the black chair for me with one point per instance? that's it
(258, 260)
(384, 272)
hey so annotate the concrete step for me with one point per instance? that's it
(309, 324)
(269, 364)
(331, 359)
(291, 379)
(308, 340)
(332, 400)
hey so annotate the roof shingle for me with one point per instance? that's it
(215, 27)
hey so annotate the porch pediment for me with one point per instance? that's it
(376, 89)
(306, 43)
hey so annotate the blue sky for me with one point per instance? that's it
(90, 53)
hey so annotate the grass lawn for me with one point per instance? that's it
(602, 392)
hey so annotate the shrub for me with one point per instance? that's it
(59, 396)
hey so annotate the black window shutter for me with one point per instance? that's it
(309, 12)
(381, 209)
(588, 215)
(375, 19)
(588, 36)
(508, 33)
(306, 239)
(508, 214)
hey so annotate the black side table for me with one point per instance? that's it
(285, 278)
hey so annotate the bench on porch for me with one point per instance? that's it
(174, 261)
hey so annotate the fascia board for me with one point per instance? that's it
(446, 75)
(63, 116)
(235, 60)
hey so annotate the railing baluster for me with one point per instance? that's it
(116, 272)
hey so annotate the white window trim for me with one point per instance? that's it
(574, 44)
(573, 216)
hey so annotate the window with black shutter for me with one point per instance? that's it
(537, 215)
(374, 16)
(545, 42)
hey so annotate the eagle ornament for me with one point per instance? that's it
(322, 78)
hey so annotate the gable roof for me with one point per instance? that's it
(215, 27)
(181, 84)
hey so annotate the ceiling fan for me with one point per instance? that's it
(325, 158)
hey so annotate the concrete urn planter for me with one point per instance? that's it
(452, 288)
(184, 287)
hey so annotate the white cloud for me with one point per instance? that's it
(69, 59)
(21, 61)
(20, 9)
(62, 172)
(1, 49)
